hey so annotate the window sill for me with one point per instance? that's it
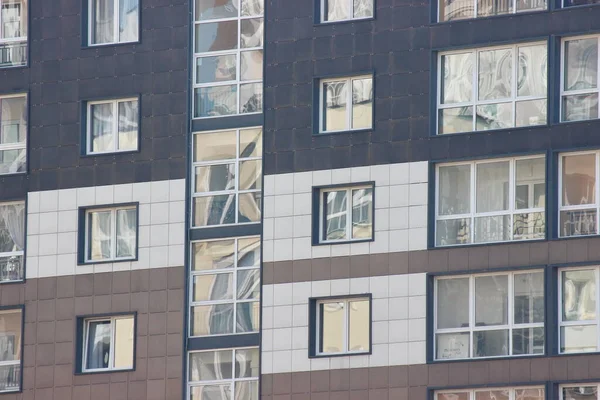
(104, 371)
(316, 356)
(344, 242)
(344, 21)
(345, 132)
(110, 153)
(118, 260)
(516, 128)
(12, 174)
(225, 116)
(102, 45)
(463, 360)
(468, 245)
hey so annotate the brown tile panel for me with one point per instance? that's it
(51, 307)
(411, 382)
(474, 258)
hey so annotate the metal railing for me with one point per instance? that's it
(13, 53)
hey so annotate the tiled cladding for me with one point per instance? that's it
(51, 305)
(398, 315)
(52, 224)
(400, 211)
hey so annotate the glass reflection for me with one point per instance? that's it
(495, 74)
(249, 207)
(362, 213)
(250, 175)
(215, 178)
(251, 33)
(359, 322)
(580, 393)
(216, 68)
(457, 78)
(454, 184)
(128, 125)
(251, 67)
(486, 8)
(492, 186)
(215, 254)
(529, 298)
(252, 7)
(246, 390)
(578, 339)
(251, 100)
(210, 365)
(332, 327)
(453, 231)
(215, 101)
(363, 8)
(532, 79)
(336, 214)
(216, 36)
(494, 116)
(452, 346)
(248, 315)
(581, 64)
(492, 229)
(215, 146)
(455, 120)
(216, 9)
(335, 106)
(579, 179)
(362, 103)
(336, 10)
(250, 143)
(213, 287)
(452, 303)
(580, 107)
(528, 341)
(490, 343)
(246, 363)
(578, 295)
(498, 394)
(212, 320)
(248, 284)
(214, 210)
(491, 300)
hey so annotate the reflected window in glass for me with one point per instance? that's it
(111, 234)
(346, 104)
(113, 21)
(11, 344)
(12, 241)
(343, 10)
(346, 214)
(112, 126)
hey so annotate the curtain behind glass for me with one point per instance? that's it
(128, 125)
(12, 227)
(102, 126)
(128, 20)
(98, 347)
(103, 13)
(99, 245)
(126, 232)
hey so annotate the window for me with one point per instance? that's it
(109, 343)
(224, 374)
(112, 126)
(13, 33)
(346, 104)
(13, 133)
(228, 47)
(503, 393)
(227, 170)
(346, 213)
(111, 234)
(113, 21)
(491, 201)
(579, 76)
(570, 3)
(341, 325)
(578, 317)
(483, 89)
(455, 10)
(342, 10)
(583, 391)
(489, 315)
(12, 241)
(11, 336)
(225, 286)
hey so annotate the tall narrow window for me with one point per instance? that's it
(108, 344)
(343, 10)
(113, 21)
(111, 234)
(11, 336)
(13, 134)
(491, 201)
(13, 33)
(112, 126)
(580, 71)
(492, 88)
(489, 315)
(12, 241)
(346, 104)
(502, 393)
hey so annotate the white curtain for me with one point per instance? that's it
(103, 15)
(13, 216)
(102, 124)
(126, 232)
(128, 20)
(100, 227)
(128, 125)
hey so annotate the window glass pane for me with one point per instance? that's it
(99, 235)
(531, 112)
(362, 103)
(250, 175)
(359, 325)
(362, 213)
(126, 232)
(336, 10)
(498, 394)
(14, 19)
(12, 161)
(246, 363)
(580, 393)
(452, 303)
(578, 339)
(577, 223)
(251, 98)
(530, 183)
(494, 116)
(215, 178)
(12, 227)
(249, 252)
(529, 226)
(579, 107)
(103, 15)
(528, 341)
(251, 33)
(455, 120)
(453, 396)
(579, 179)
(214, 210)
(452, 345)
(248, 315)
(578, 295)
(495, 74)
(457, 78)
(246, 390)
(252, 7)
(332, 326)
(335, 111)
(486, 8)
(581, 64)
(363, 8)
(216, 9)
(453, 231)
(532, 79)
(213, 287)
(98, 345)
(216, 68)
(248, 286)
(210, 365)
(529, 298)
(215, 146)
(10, 339)
(101, 127)
(124, 335)
(128, 125)
(216, 36)
(250, 143)
(128, 20)
(492, 186)
(531, 5)
(336, 213)
(252, 65)
(211, 320)
(14, 121)
(249, 208)
(215, 101)
(491, 300)
(492, 229)
(490, 343)
(454, 190)
(215, 254)
(210, 392)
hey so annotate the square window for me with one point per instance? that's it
(344, 10)
(11, 344)
(113, 21)
(346, 104)
(485, 89)
(13, 33)
(501, 393)
(489, 315)
(108, 343)
(340, 326)
(488, 201)
(112, 126)
(12, 241)
(110, 234)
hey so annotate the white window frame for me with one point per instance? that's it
(513, 99)
(115, 125)
(472, 392)
(16, 253)
(472, 328)
(116, 20)
(575, 385)
(595, 206)
(20, 145)
(349, 96)
(352, 18)
(16, 363)
(587, 322)
(349, 213)
(472, 215)
(11, 45)
(111, 362)
(233, 300)
(113, 233)
(236, 191)
(231, 381)
(346, 330)
(237, 52)
(475, 10)
(563, 92)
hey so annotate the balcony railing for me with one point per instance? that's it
(13, 52)
(10, 376)
(11, 267)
